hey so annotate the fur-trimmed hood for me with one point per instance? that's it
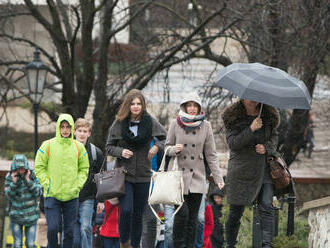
(234, 113)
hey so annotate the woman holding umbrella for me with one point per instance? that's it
(250, 139)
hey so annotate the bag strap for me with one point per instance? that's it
(162, 165)
(77, 148)
(93, 150)
(48, 148)
(178, 208)
(104, 161)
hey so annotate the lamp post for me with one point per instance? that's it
(36, 73)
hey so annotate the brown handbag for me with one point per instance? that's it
(110, 184)
(279, 172)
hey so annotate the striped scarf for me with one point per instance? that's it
(190, 122)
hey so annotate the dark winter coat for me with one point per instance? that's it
(246, 168)
(138, 166)
(89, 189)
(217, 236)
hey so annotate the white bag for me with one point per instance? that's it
(166, 187)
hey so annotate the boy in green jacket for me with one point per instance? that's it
(61, 165)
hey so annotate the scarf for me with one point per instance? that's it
(190, 122)
(144, 131)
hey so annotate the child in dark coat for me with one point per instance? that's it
(213, 233)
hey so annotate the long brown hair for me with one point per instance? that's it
(125, 107)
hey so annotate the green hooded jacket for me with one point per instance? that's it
(61, 164)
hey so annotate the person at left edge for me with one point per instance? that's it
(83, 228)
(61, 165)
(22, 190)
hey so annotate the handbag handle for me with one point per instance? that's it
(162, 165)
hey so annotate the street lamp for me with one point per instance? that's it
(36, 73)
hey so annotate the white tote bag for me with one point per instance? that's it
(166, 187)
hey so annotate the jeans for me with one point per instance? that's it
(266, 213)
(29, 232)
(111, 242)
(200, 224)
(55, 210)
(132, 206)
(83, 228)
(149, 227)
(168, 213)
(184, 229)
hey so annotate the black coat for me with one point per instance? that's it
(89, 189)
(246, 168)
(217, 236)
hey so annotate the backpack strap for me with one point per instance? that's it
(93, 149)
(77, 148)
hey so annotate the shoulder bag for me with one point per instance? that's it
(279, 172)
(166, 187)
(111, 183)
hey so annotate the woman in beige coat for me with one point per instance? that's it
(190, 138)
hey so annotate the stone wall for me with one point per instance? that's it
(319, 222)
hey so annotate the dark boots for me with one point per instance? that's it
(232, 225)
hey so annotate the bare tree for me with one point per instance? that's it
(82, 65)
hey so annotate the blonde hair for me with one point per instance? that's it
(81, 122)
(125, 107)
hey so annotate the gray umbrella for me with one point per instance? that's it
(264, 84)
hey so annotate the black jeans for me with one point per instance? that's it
(266, 213)
(131, 209)
(185, 221)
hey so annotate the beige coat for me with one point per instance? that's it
(191, 159)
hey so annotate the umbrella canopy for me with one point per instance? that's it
(264, 84)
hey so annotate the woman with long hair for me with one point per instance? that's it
(190, 138)
(251, 138)
(129, 141)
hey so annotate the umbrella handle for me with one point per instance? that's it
(260, 110)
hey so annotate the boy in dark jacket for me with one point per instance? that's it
(83, 227)
(22, 190)
(213, 237)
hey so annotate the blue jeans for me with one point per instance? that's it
(83, 228)
(168, 213)
(200, 224)
(29, 232)
(131, 210)
(55, 210)
(111, 242)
